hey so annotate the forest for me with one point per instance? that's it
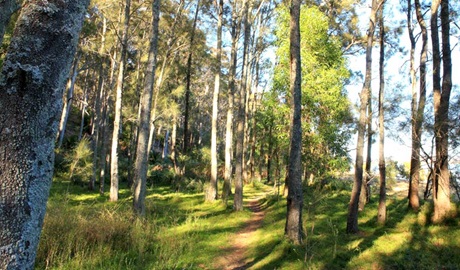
(236, 134)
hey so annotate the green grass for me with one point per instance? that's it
(83, 230)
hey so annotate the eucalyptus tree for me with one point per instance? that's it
(142, 152)
(33, 76)
(441, 97)
(352, 219)
(114, 176)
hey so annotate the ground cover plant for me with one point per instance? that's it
(180, 231)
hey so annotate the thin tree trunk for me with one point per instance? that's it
(211, 194)
(382, 209)
(441, 183)
(68, 102)
(418, 111)
(352, 219)
(142, 151)
(188, 79)
(364, 196)
(117, 121)
(33, 81)
(294, 229)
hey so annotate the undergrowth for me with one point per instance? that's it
(83, 230)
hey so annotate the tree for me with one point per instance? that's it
(418, 106)
(381, 213)
(352, 220)
(294, 229)
(142, 152)
(441, 96)
(117, 121)
(31, 87)
(211, 194)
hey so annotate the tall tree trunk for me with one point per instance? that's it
(352, 219)
(117, 121)
(142, 151)
(188, 79)
(239, 150)
(441, 183)
(226, 190)
(418, 110)
(31, 88)
(68, 102)
(364, 196)
(294, 229)
(382, 209)
(211, 195)
(7, 8)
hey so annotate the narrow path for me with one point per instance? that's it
(235, 257)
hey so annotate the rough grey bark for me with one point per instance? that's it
(239, 148)
(142, 151)
(441, 183)
(382, 209)
(352, 219)
(294, 229)
(7, 8)
(31, 88)
(117, 120)
(211, 194)
(418, 108)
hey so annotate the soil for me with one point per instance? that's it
(235, 257)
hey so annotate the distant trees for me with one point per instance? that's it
(31, 87)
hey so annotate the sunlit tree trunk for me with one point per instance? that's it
(352, 220)
(382, 209)
(364, 196)
(211, 194)
(142, 151)
(117, 121)
(294, 229)
(441, 183)
(32, 83)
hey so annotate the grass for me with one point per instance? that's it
(83, 230)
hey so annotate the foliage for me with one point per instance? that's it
(326, 109)
(79, 161)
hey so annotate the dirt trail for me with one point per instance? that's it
(235, 257)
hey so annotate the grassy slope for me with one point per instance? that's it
(84, 231)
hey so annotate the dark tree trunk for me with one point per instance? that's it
(142, 151)
(294, 229)
(352, 220)
(31, 88)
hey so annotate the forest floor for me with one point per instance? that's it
(236, 253)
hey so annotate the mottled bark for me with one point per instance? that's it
(142, 151)
(352, 219)
(294, 229)
(7, 8)
(31, 88)
(211, 194)
(117, 121)
(441, 183)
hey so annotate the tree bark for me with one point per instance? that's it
(7, 8)
(441, 183)
(211, 195)
(294, 229)
(364, 196)
(142, 151)
(382, 209)
(31, 88)
(418, 109)
(117, 121)
(352, 220)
